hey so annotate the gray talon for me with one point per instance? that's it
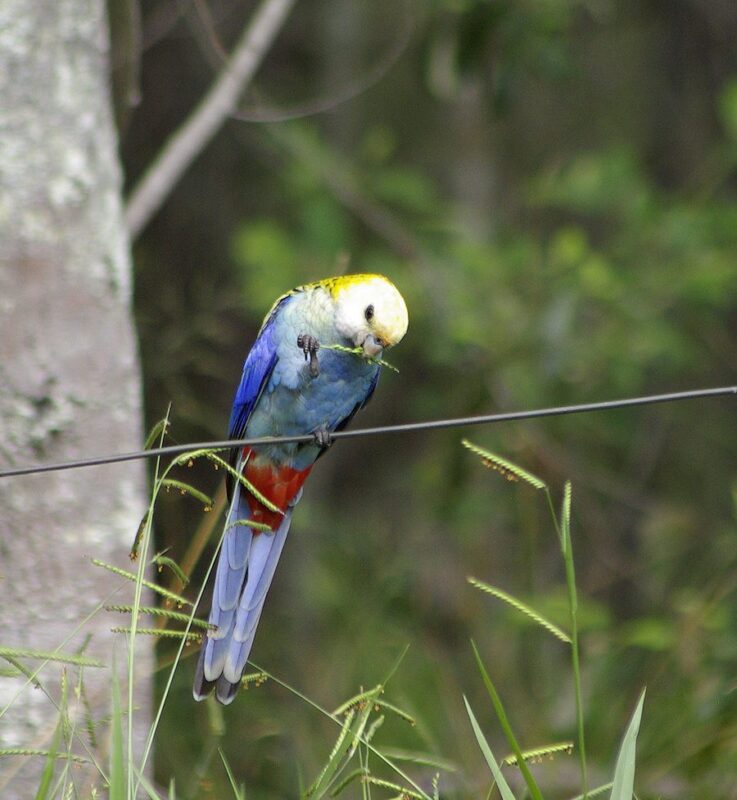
(323, 437)
(309, 346)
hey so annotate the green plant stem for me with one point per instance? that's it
(565, 529)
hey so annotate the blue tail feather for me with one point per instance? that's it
(265, 553)
(245, 569)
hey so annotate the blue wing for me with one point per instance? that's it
(259, 365)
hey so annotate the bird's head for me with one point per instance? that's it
(369, 312)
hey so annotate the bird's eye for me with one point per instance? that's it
(369, 313)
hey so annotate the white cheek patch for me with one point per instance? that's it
(389, 319)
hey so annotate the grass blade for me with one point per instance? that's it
(520, 606)
(420, 759)
(238, 792)
(341, 747)
(117, 756)
(605, 787)
(361, 773)
(507, 728)
(624, 772)
(501, 781)
(48, 772)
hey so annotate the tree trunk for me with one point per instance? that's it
(69, 371)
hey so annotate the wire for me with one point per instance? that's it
(409, 427)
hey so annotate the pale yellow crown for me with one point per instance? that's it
(368, 306)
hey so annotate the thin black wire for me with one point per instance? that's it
(408, 427)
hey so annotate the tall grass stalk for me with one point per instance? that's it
(138, 592)
(565, 527)
(562, 525)
(501, 714)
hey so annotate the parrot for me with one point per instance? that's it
(293, 383)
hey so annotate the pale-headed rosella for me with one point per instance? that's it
(290, 386)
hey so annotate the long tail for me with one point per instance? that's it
(245, 570)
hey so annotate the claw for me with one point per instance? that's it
(323, 437)
(309, 346)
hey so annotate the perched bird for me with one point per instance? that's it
(290, 386)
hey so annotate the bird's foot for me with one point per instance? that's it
(323, 437)
(309, 346)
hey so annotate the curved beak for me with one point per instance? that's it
(372, 346)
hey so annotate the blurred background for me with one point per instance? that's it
(552, 185)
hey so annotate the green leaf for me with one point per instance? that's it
(238, 791)
(342, 745)
(48, 772)
(421, 759)
(605, 787)
(501, 781)
(361, 772)
(148, 787)
(501, 714)
(624, 773)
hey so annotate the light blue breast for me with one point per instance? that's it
(293, 402)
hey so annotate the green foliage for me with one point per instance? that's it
(624, 772)
(44, 787)
(554, 192)
(499, 778)
(623, 782)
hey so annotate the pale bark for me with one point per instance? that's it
(69, 371)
